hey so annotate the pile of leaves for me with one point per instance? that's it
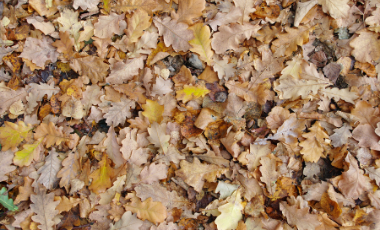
(190, 114)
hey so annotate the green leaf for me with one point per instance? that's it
(6, 202)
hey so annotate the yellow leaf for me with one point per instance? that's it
(231, 212)
(191, 92)
(312, 146)
(155, 212)
(153, 111)
(13, 134)
(139, 22)
(202, 42)
(25, 157)
(101, 178)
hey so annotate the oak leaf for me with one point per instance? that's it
(366, 136)
(37, 92)
(162, 87)
(51, 134)
(290, 88)
(109, 25)
(39, 51)
(12, 134)
(341, 135)
(158, 137)
(153, 173)
(288, 42)
(157, 192)
(9, 97)
(5, 164)
(25, 191)
(362, 52)
(119, 111)
(65, 45)
(313, 145)
(69, 171)
(85, 4)
(5, 201)
(195, 173)
(302, 9)
(130, 5)
(44, 206)
(353, 182)
(189, 9)
(269, 172)
(155, 212)
(48, 172)
(121, 72)
(258, 93)
(175, 34)
(39, 23)
(127, 222)
(299, 217)
(113, 148)
(230, 36)
(153, 111)
(91, 66)
(30, 151)
(246, 7)
(336, 8)
(374, 174)
(102, 177)
(201, 42)
(139, 22)
(118, 185)
(230, 212)
(191, 92)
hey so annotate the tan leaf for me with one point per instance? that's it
(44, 207)
(336, 8)
(119, 112)
(269, 172)
(48, 172)
(366, 47)
(299, 217)
(127, 222)
(109, 25)
(158, 137)
(5, 164)
(246, 8)
(51, 134)
(190, 9)
(230, 36)
(39, 51)
(353, 182)
(153, 173)
(69, 171)
(195, 173)
(155, 212)
(121, 72)
(288, 42)
(91, 66)
(175, 34)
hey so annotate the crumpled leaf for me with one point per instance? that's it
(362, 52)
(91, 66)
(119, 112)
(109, 25)
(299, 217)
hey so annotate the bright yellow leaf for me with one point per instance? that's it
(101, 178)
(202, 42)
(25, 157)
(13, 134)
(153, 111)
(191, 92)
